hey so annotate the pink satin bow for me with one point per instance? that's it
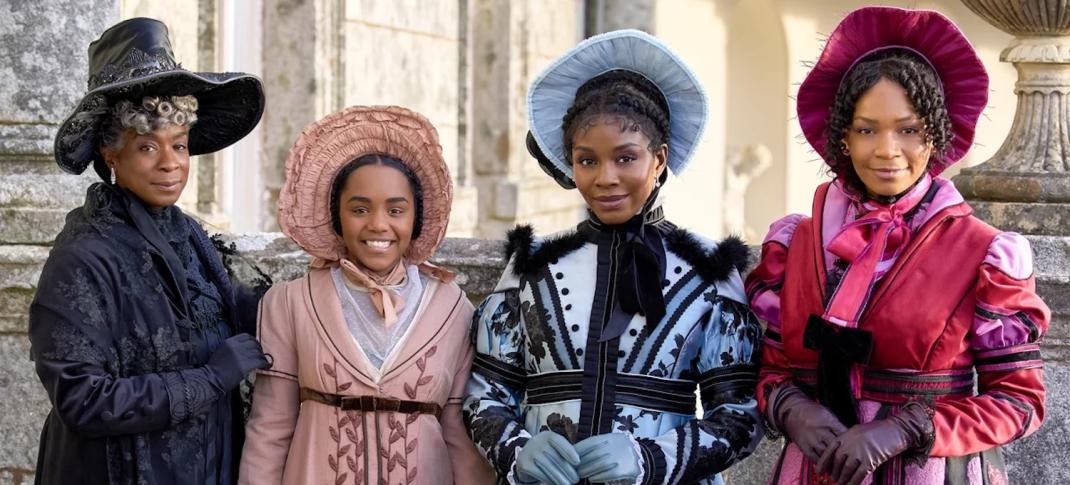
(878, 235)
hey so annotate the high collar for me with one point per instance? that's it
(107, 199)
(646, 217)
(906, 200)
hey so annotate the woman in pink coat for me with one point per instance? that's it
(370, 349)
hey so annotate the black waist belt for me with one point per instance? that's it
(666, 395)
(371, 403)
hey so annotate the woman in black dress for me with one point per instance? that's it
(137, 330)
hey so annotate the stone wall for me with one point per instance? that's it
(41, 79)
(510, 43)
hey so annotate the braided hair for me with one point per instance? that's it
(340, 180)
(636, 101)
(924, 91)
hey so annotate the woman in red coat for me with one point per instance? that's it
(886, 304)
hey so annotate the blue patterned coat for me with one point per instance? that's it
(541, 363)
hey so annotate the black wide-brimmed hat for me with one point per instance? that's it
(133, 59)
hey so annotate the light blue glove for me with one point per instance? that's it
(609, 457)
(547, 458)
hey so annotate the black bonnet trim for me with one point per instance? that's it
(519, 243)
(715, 265)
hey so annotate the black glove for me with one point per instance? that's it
(234, 359)
(858, 452)
(808, 424)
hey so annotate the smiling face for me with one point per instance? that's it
(614, 168)
(376, 213)
(154, 166)
(886, 140)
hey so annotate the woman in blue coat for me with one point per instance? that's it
(591, 348)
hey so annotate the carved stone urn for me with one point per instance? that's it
(1025, 187)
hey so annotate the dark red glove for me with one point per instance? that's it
(811, 426)
(856, 453)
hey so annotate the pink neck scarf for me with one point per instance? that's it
(878, 234)
(387, 302)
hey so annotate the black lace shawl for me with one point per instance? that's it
(119, 344)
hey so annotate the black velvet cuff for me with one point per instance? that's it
(190, 392)
(176, 396)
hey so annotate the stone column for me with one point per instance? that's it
(43, 75)
(1025, 187)
(290, 35)
(511, 43)
(303, 49)
(208, 173)
(606, 15)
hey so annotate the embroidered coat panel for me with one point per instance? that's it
(302, 329)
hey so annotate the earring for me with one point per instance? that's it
(843, 148)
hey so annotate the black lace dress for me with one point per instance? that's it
(130, 305)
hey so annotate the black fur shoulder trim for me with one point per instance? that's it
(525, 261)
(716, 265)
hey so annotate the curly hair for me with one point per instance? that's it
(150, 114)
(340, 179)
(625, 94)
(924, 91)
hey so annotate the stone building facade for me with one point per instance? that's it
(467, 64)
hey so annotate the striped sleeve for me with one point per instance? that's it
(763, 292)
(1008, 324)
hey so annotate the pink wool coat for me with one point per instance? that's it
(302, 329)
